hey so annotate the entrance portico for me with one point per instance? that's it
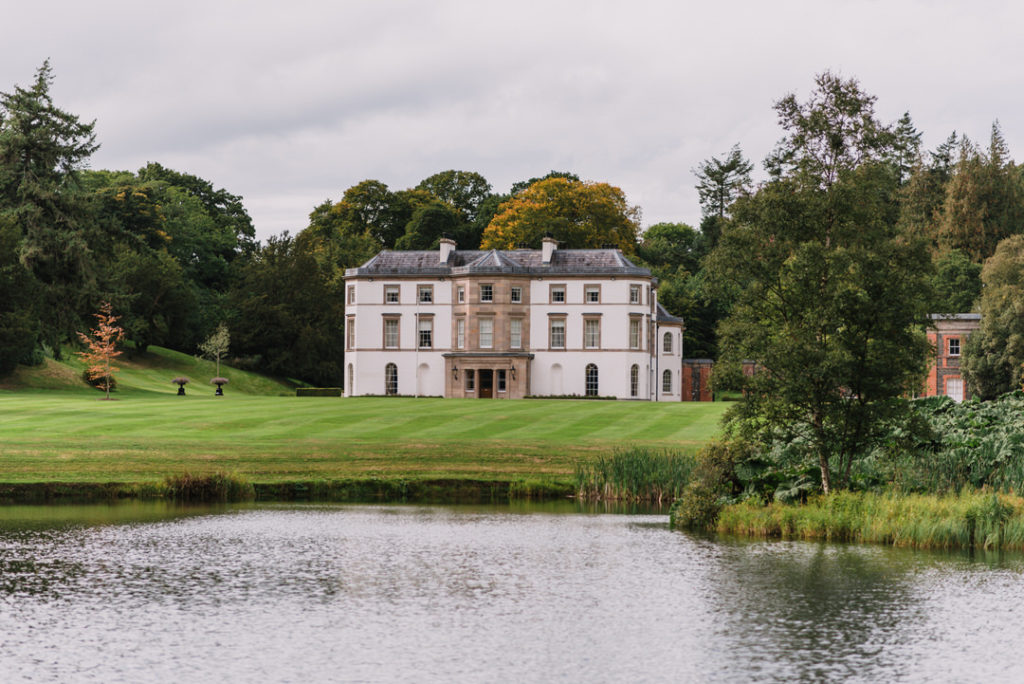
(485, 375)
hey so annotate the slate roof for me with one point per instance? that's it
(665, 317)
(516, 261)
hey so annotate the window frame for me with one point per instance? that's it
(666, 381)
(427, 290)
(552, 321)
(591, 332)
(635, 296)
(460, 294)
(490, 293)
(351, 294)
(589, 289)
(391, 380)
(635, 332)
(667, 343)
(592, 387)
(390, 288)
(501, 381)
(557, 287)
(397, 321)
(480, 324)
(350, 333)
(513, 324)
(949, 346)
(460, 332)
(513, 291)
(634, 380)
(469, 376)
(429, 322)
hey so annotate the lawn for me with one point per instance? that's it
(53, 428)
(147, 435)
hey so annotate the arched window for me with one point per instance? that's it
(666, 382)
(391, 379)
(666, 344)
(634, 380)
(591, 380)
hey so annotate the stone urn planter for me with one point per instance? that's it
(180, 382)
(219, 382)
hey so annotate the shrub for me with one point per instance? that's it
(318, 392)
(216, 487)
(99, 382)
(713, 483)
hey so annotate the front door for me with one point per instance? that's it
(486, 384)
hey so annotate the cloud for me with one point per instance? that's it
(290, 103)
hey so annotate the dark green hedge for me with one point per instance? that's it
(318, 392)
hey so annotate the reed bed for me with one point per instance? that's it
(209, 488)
(968, 520)
(634, 474)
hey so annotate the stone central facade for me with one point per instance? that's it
(508, 324)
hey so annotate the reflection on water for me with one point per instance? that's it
(513, 593)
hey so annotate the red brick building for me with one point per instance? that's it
(948, 334)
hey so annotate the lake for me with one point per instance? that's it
(512, 593)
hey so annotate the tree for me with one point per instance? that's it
(673, 252)
(982, 205)
(225, 209)
(519, 186)
(993, 356)
(215, 347)
(370, 208)
(924, 192)
(101, 348)
(720, 183)
(957, 283)
(834, 130)
(428, 224)
(905, 155)
(464, 191)
(578, 214)
(42, 149)
(290, 312)
(831, 299)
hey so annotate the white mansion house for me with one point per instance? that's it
(507, 324)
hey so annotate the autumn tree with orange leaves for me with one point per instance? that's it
(578, 214)
(101, 346)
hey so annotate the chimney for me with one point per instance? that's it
(548, 247)
(447, 247)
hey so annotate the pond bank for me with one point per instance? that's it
(350, 490)
(968, 520)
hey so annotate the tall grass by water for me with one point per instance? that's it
(971, 519)
(209, 488)
(634, 474)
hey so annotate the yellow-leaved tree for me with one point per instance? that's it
(579, 214)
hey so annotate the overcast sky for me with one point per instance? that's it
(290, 103)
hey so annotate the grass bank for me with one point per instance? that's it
(971, 519)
